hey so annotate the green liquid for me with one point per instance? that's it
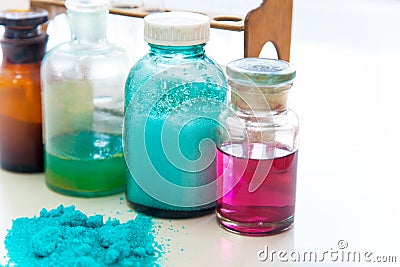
(86, 163)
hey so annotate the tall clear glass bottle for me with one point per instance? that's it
(83, 85)
(257, 149)
(23, 46)
(173, 97)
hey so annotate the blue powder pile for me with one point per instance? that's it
(67, 237)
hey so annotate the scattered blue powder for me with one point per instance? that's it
(67, 237)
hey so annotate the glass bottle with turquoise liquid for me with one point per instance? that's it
(173, 97)
(83, 96)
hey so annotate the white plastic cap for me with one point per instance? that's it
(176, 29)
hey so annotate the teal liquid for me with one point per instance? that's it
(175, 164)
(171, 153)
(86, 163)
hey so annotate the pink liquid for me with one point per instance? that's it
(270, 207)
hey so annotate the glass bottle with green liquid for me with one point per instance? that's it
(83, 96)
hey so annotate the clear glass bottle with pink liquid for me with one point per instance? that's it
(257, 149)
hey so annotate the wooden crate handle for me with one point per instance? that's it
(271, 22)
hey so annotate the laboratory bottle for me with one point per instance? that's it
(23, 45)
(83, 104)
(174, 95)
(257, 149)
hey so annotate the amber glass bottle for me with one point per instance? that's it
(23, 46)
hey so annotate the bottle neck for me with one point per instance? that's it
(177, 51)
(24, 51)
(88, 28)
(262, 103)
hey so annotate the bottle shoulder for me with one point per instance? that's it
(77, 52)
(171, 80)
(16, 73)
(287, 121)
(184, 68)
(161, 60)
(292, 118)
(69, 61)
(282, 131)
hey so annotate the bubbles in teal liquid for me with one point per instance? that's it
(169, 131)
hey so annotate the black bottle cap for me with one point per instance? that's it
(23, 42)
(22, 24)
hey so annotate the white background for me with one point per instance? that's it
(346, 94)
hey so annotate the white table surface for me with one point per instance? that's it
(346, 94)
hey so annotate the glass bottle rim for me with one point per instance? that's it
(87, 5)
(260, 71)
(31, 17)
